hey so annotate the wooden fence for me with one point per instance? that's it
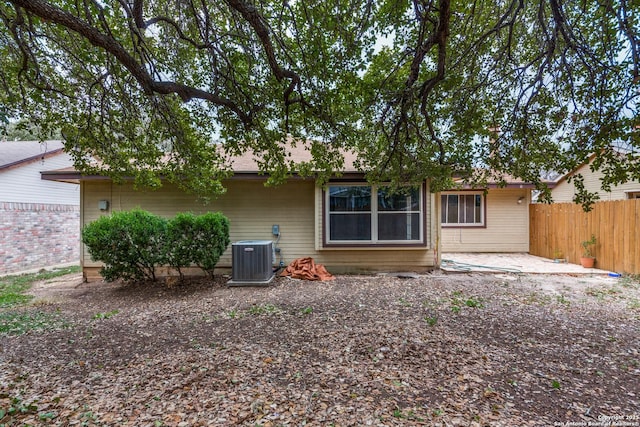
(561, 227)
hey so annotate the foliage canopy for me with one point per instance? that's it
(422, 88)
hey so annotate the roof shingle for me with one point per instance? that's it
(16, 152)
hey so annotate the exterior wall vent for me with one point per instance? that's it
(252, 263)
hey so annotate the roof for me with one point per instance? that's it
(246, 164)
(495, 181)
(14, 153)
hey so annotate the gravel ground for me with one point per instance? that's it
(465, 349)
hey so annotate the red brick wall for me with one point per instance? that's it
(34, 236)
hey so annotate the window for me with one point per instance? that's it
(634, 194)
(362, 214)
(462, 209)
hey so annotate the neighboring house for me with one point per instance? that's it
(39, 220)
(563, 191)
(491, 219)
(349, 226)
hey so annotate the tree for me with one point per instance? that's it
(19, 131)
(23, 130)
(519, 87)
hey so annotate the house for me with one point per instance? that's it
(492, 218)
(563, 191)
(349, 226)
(39, 220)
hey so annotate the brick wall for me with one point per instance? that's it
(34, 236)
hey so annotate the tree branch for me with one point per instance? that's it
(253, 17)
(48, 12)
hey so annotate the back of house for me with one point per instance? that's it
(348, 225)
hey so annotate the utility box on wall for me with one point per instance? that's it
(252, 263)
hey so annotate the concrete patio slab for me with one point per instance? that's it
(510, 263)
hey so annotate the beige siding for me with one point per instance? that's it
(252, 209)
(507, 226)
(564, 191)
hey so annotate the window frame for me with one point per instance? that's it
(374, 242)
(632, 194)
(483, 209)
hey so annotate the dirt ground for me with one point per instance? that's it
(462, 349)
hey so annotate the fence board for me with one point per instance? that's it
(630, 226)
(561, 227)
(636, 228)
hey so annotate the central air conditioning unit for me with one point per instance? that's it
(252, 263)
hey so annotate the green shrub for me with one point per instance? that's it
(132, 244)
(212, 239)
(199, 240)
(129, 243)
(181, 242)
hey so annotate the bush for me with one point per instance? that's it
(129, 243)
(180, 241)
(132, 244)
(211, 239)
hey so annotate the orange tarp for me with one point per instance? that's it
(307, 269)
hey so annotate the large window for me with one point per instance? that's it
(361, 214)
(462, 209)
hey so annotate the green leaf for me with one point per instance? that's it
(428, 90)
